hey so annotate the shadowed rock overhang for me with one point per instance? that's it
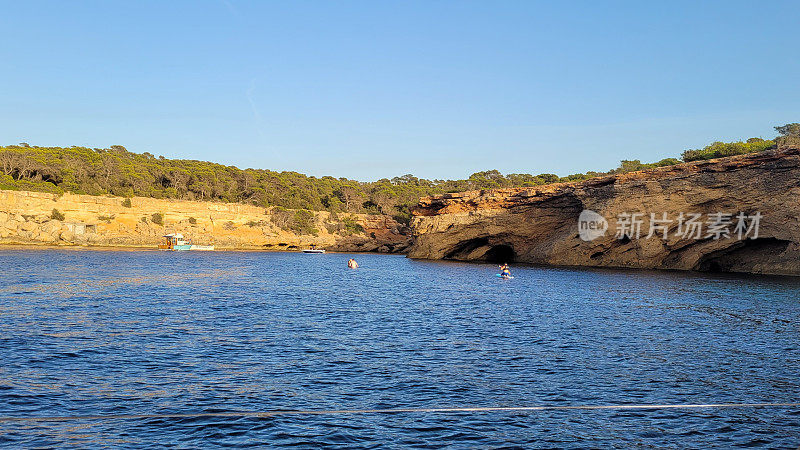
(540, 224)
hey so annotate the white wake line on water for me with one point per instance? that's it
(390, 411)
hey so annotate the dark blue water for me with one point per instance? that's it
(110, 333)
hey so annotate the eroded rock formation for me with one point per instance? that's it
(540, 224)
(381, 234)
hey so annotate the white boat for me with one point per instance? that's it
(201, 248)
(313, 250)
(176, 241)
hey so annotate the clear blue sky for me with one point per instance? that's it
(374, 89)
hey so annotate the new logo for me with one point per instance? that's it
(591, 225)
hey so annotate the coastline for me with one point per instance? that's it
(541, 225)
(37, 218)
(122, 248)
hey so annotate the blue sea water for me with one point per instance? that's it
(110, 333)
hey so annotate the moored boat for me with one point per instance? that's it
(176, 241)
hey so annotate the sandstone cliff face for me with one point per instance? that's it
(27, 218)
(540, 224)
(381, 234)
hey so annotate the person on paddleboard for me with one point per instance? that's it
(505, 271)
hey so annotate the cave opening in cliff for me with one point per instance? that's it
(746, 256)
(500, 254)
(481, 249)
(464, 249)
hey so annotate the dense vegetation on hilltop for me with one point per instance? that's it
(117, 171)
(721, 149)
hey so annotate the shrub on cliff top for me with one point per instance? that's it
(722, 149)
(626, 166)
(789, 136)
(403, 217)
(157, 219)
(790, 129)
(351, 226)
(57, 215)
(333, 228)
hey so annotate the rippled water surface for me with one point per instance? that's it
(140, 332)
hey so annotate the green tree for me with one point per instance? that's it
(789, 136)
(790, 129)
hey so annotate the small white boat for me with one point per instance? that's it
(176, 241)
(313, 250)
(201, 248)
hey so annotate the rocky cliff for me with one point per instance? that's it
(43, 218)
(736, 214)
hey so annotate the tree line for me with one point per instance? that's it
(116, 171)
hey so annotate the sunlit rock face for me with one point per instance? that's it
(42, 218)
(562, 224)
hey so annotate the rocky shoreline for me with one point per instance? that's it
(540, 225)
